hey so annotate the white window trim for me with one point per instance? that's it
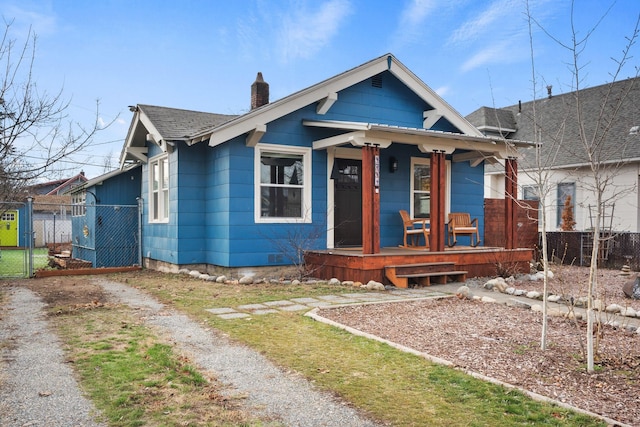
(447, 197)
(158, 159)
(306, 179)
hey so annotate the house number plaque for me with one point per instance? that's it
(377, 171)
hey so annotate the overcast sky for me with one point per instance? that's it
(204, 55)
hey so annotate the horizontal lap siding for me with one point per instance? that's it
(467, 192)
(190, 203)
(160, 240)
(395, 191)
(392, 104)
(273, 243)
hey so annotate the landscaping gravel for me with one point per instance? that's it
(37, 387)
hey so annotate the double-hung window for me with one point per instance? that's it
(78, 203)
(421, 187)
(159, 189)
(283, 183)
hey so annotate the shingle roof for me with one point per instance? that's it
(558, 128)
(485, 117)
(176, 124)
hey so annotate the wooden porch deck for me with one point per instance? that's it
(352, 264)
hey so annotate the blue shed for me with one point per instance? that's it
(105, 219)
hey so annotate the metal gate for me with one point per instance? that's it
(37, 236)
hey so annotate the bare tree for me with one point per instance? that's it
(592, 131)
(35, 130)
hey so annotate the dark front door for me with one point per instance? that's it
(347, 182)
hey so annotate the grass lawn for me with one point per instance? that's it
(13, 261)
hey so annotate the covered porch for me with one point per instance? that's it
(372, 261)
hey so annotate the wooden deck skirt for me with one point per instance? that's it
(351, 264)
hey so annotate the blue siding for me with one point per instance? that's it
(189, 203)
(160, 240)
(395, 191)
(467, 192)
(111, 238)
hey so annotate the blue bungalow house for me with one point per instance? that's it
(328, 168)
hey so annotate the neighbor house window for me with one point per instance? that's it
(283, 190)
(530, 192)
(159, 189)
(565, 189)
(78, 205)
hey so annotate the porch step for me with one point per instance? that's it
(424, 274)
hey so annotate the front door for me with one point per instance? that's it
(347, 182)
(9, 228)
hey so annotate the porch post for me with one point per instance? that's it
(510, 200)
(437, 220)
(370, 199)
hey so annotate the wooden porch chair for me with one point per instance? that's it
(414, 228)
(461, 224)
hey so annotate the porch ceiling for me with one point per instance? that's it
(359, 134)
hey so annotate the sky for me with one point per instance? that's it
(204, 55)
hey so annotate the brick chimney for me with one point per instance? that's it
(259, 92)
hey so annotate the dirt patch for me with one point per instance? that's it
(68, 292)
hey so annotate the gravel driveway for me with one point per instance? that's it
(38, 388)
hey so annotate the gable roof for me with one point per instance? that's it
(557, 127)
(59, 186)
(326, 92)
(493, 121)
(163, 126)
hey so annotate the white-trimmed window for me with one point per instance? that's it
(283, 183)
(421, 187)
(565, 189)
(78, 203)
(159, 189)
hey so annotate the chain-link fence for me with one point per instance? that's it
(616, 249)
(107, 235)
(36, 236)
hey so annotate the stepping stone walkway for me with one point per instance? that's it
(308, 303)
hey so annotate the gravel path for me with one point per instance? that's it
(37, 387)
(269, 390)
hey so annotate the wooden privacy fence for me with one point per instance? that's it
(494, 223)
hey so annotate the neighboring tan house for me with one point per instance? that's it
(58, 187)
(330, 166)
(611, 115)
